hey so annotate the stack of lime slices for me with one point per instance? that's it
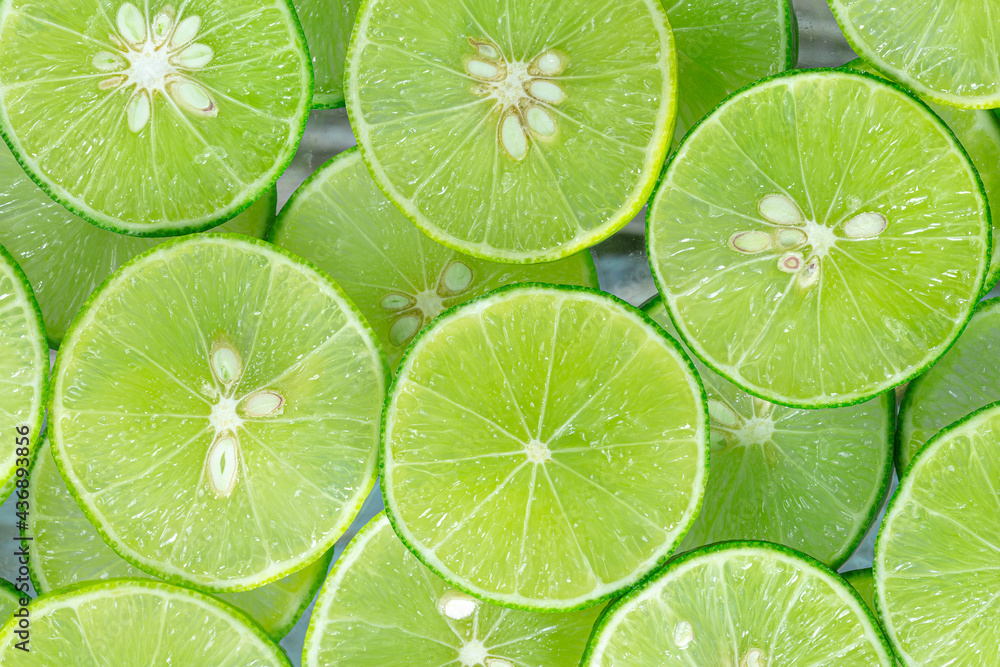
(327, 25)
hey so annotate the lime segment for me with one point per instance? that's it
(397, 276)
(803, 261)
(520, 131)
(543, 447)
(327, 25)
(380, 604)
(153, 119)
(216, 412)
(10, 600)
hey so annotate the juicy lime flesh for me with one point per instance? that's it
(67, 550)
(213, 134)
(518, 435)
(862, 582)
(397, 276)
(723, 46)
(10, 600)
(66, 258)
(946, 51)
(381, 604)
(934, 604)
(484, 127)
(327, 25)
(965, 379)
(808, 479)
(802, 261)
(128, 622)
(256, 391)
(737, 605)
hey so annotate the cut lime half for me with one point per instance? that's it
(10, 600)
(381, 604)
(66, 258)
(802, 260)
(153, 118)
(945, 51)
(66, 550)
(397, 276)
(812, 480)
(937, 559)
(327, 25)
(544, 447)
(516, 131)
(215, 412)
(133, 622)
(749, 604)
(24, 372)
(724, 45)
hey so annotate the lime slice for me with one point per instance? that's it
(513, 131)
(24, 371)
(544, 447)
(10, 600)
(813, 480)
(937, 580)
(802, 261)
(380, 604)
(131, 622)
(724, 45)
(979, 132)
(66, 258)
(964, 380)
(399, 278)
(862, 582)
(327, 25)
(749, 604)
(67, 550)
(946, 52)
(215, 412)
(152, 120)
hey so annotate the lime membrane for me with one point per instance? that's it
(327, 25)
(544, 447)
(802, 261)
(215, 412)
(520, 131)
(155, 118)
(380, 603)
(397, 276)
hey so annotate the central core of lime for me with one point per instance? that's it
(537, 451)
(414, 309)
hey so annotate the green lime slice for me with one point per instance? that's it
(979, 132)
(862, 582)
(67, 550)
(946, 52)
(749, 604)
(327, 25)
(813, 480)
(66, 258)
(514, 131)
(965, 379)
(397, 276)
(380, 603)
(724, 45)
(24, 371)
(801, 260)
(937, 579)
(544, 447)
(150, 118)
(215, 412)
(10, 600)
(133, 622)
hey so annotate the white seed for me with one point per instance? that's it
(789, 238)
(456, 605)
(751, 242)
(226, 364)
(865, 226)
(540, 121)
(683, 635)
(395, 302)
(780, 210)
(223, 464)
(512, 137)
(482, 70)
(113, 82)
(186, 31)
(790, 262)
(403, 329)
(195, 56)
(193, 97)
(546, 91)
(722, 414)
(498, 662)
(810, 274)
(138, 112)
(106, 61)
(489, 51)
(762, 408)
(457, 277)
(264, 404)
(163, 23)
(549, 63)
(753, 658)
(131, 24)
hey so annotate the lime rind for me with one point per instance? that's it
(177, 577)
(844, 400)
(10, 600)
(324, 97)
(692, 513)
